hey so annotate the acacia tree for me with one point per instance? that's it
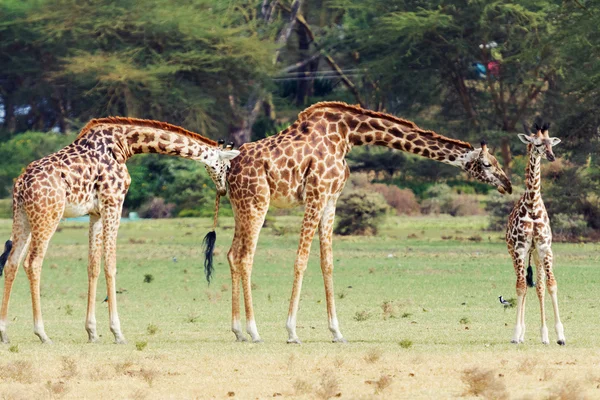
(418, 54)
(171, 61)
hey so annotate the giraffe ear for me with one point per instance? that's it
(228, 154)
(524, 138)
(554, 141)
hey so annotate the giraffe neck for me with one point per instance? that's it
(131, 139)
(405, 135)
(532, 179)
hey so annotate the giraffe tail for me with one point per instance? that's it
(4, 257)
(209, 248)
(529, 277)
(209, 244)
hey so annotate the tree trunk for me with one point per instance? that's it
(303, 85)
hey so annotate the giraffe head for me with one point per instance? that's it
(484, 167)
(217, 163)
(541, 143)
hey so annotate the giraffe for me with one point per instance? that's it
(305, 165)
(89, 177)
(528, 234)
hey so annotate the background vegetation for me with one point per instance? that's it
(243, 70)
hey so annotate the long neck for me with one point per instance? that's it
(133, 139)
(405, 136)
(532, 178)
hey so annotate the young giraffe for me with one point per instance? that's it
(529, 234)
(305, 164)
(89, 176)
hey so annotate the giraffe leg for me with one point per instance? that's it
(312, 216)
(111, 214)
(94, 261)
(40, 238)
(235, 266)
(541, 289)
(521, 286)
(248, 246)
(20, 237)
(553, 291)
(325, 240)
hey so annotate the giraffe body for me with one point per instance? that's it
(89, 177)
(529, 236)
(305, 165)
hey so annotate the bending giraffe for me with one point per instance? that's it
(305, 164)
(528, 234)
(89, 176)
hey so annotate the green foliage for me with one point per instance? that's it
(360, 212)
(6, 208)
(177, 62)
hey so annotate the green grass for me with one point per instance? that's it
(432, 307)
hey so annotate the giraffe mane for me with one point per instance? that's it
(146, 123)
(358, 109)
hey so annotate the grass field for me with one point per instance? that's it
(421, 314)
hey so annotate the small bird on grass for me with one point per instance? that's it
(504, 302)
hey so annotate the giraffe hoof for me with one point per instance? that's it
(93, 340)
(545, 342)
(340, 340)
(257, 340)
(514, 341)
(47, 341)
(561, 342)
(120, 341)
(241, 339)
(294, 341)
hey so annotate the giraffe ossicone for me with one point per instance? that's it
(305, 165)
(529, 236)
(89, 176)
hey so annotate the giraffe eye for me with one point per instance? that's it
(486, 165)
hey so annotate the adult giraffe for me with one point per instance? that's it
(305, 164)
(89, 176)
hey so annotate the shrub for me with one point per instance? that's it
(443, 199)
(431, 206)
(499, 207)
(402, 200)
(569, 227)
(156, 208)
(461, 205)
(360, 212)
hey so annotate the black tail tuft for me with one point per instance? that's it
(529, 278)
(4, 256)
(209, 247)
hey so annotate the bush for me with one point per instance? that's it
(443, 199)
(360, 212)
(156, 208)
(567, 227)
(499, 207)
(402, 200)
(431, 206)
(462, 205)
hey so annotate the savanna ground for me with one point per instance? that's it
(420, 310)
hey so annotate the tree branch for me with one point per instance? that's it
(347, 82)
